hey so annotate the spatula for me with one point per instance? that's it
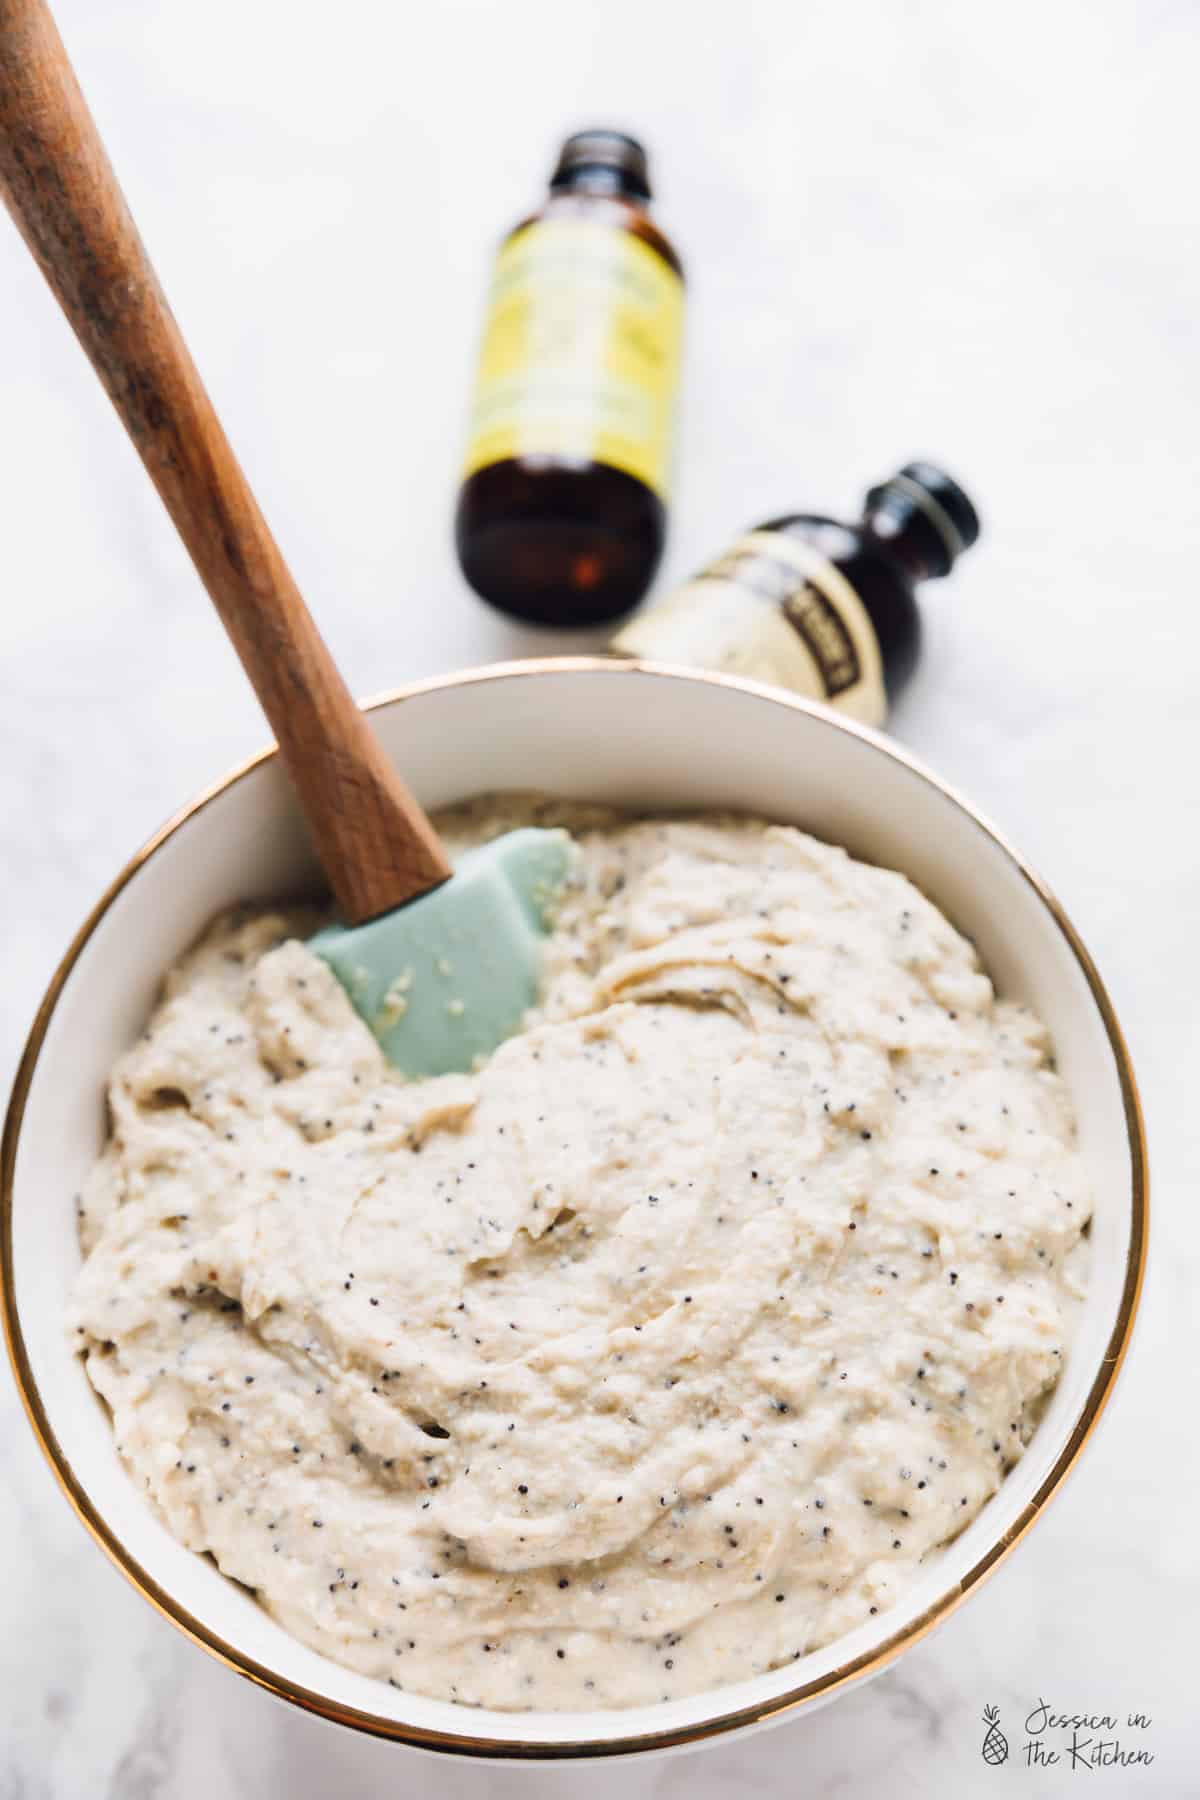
(441, 964)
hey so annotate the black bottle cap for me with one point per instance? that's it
(922, 491)
(613, 152)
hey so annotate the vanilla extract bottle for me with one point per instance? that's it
(562, 511)
(825, 609)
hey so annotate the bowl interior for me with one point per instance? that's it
(592, 731)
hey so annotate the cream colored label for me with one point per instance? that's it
(580, 354)
(776, 610)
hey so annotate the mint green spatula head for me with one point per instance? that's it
(444, 980)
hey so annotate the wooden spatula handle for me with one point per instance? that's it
(375, 843)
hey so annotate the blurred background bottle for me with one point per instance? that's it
(561, 516)
(825, 609)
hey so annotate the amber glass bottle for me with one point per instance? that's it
(562, 511)
(825, 609)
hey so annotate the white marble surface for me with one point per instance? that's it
(936, 227)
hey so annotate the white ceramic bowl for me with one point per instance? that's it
(639, 736)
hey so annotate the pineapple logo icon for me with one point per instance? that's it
(995, 1744)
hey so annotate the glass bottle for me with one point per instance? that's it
(561, 515)
(826, 609)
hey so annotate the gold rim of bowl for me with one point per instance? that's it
(465, 1743)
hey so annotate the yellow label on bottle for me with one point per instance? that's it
(774, 609)
(580, 353)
